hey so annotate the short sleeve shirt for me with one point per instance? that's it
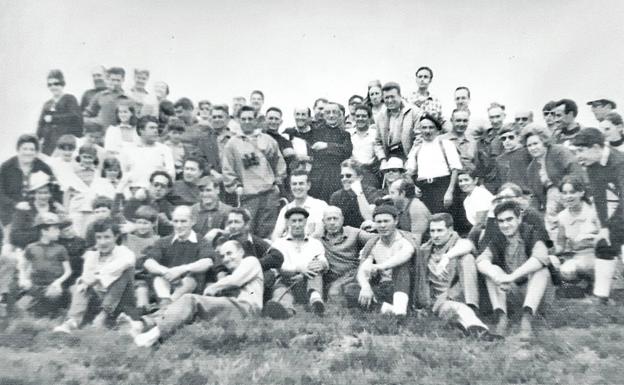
(47, 262)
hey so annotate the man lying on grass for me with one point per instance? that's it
(246, 276)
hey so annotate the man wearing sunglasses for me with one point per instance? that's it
(523, 118)
(512, 163)
(549, 114)
(566, 128)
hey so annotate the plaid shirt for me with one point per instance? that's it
(430, 104)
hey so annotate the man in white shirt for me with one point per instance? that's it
(301, 273)
(140, 161)
(299, 186)
(107, 278)
(363, 139)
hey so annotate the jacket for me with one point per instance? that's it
(409, 120)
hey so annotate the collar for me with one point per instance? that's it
(617, 143)
(606, 151)
(567, 131)
(191, 238)
(216, 208)
(340, 236)
(290, 238)
(358, 132)
(305, 130)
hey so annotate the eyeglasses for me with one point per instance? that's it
(394, 170)
(548, 113)
(54, 84)
(522, 119)
(507, 137)
(159, 185)
(346, 176)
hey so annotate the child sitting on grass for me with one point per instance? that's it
(143, 237)
(43, 269)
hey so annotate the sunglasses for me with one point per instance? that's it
(548, 113)
(507, 137)
(394, 170)
(346, 176)
(522, 119)
(54, 84)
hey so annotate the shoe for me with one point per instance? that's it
(129, 326)
(502, 325)
(275, 310)
(148, 338)
(66, 327)
(526, 329)
(483, 334)
(318, 307)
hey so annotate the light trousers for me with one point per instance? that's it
(530, 294)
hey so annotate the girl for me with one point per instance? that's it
(124, 133)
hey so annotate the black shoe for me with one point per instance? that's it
(482, 334)
(275, 310)
(318, 308)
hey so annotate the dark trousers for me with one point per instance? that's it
(383, 290)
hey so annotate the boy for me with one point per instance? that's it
(76, 247)
(43, 269)
(102, 208)
(175, 131)
(143, 237)
(94, 136)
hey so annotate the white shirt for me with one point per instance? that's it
(479, 200)
(299, 253)
(191, 238)
(428, 160)
(363, 146)
(381, 252)
(114, 141)
(140, 161)
(107, 268)
(314, 227)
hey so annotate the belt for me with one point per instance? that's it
(431, 180)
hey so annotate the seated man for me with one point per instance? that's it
(342, 250)
(106, 279)
(157, 197)
(179, 261)
(245, 276)
(186, 190)
(384, 273)
(452, 276)
(301, 273)
(516, 267)
(210, 212)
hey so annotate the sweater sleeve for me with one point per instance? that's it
(270, 257)
(228, 165)
(341, 149)
(248, 269)
(111, 271)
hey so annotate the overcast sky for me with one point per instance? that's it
(519, 53)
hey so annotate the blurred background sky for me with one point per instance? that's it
(521, 53)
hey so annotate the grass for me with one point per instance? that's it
(575, 344)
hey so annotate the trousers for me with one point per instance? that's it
(539, 287)
(287, 291)
(264, 209)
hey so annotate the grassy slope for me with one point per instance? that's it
(577, 344)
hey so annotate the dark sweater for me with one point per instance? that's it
(609, 176)
(66, 119)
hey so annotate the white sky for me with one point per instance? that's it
(519, 53)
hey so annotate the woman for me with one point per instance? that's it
(60, 115)
(124, 133)
(549, 165)
(478, 201)
(374, 99)
(435, 164)
(40, 200)
(15, 176)
(578, 230)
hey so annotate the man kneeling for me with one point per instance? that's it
(245, 278)
(516, 267)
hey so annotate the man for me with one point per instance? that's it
(489, 147)
(465, 146)
(186, 191)
(98, 75)
(512, 164)
(301, 135)
(452, 276)
(273, 119)
(601, 108)
(605, 169)
(342, 250)
(212, 142)
(185, 111)
(256, 100)
(106, 280)
(319, 111)
(612, 127)
(330, 146)
(156, 196)
(178, 263)
(245, 277)
(549, 115)
(139, 93)
(141, 160)
(566, 126)
(363, 140)
(301, 274)
(422, 98)
(462, 98)
(210, 212)
(299, 187)
(354, 101)
(253, 169)
(103, 106)
(523, 118)
(384, 273)
(395, 126)
(515, 266)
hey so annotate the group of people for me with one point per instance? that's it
(157, 213)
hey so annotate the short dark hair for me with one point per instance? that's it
(116, 71)
(201, 163)
(365, 108)
(389, 86)
(242, 212)
(614, 118)
(355, 97)
(463, 88)
(578, 184)
(185, 103)
(300, 173)
(222, 107)
(161, 173)
(102, 201)
(257, 92)
(176, 124)
(296, 210)
(105, 224)
(570, 106)
(470, 170)
(407, 186)
(146, 212)
(274, 109)
(203, 103)
(588, 137)
(508, 206)
(109, 163)
(433, 119)
(143, 121)
(352, 164)
(549, 106)
(247, 108)
(424, 68)
(27, 138)
(443, 217)
(58, 75)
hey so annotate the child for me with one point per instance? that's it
(124, 133)
(102, 208)
(93, 135)
(43, 269)
(144, 236)
(175, 130)
(75, 247)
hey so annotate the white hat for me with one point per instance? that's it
(392, 163)
(37, 180)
